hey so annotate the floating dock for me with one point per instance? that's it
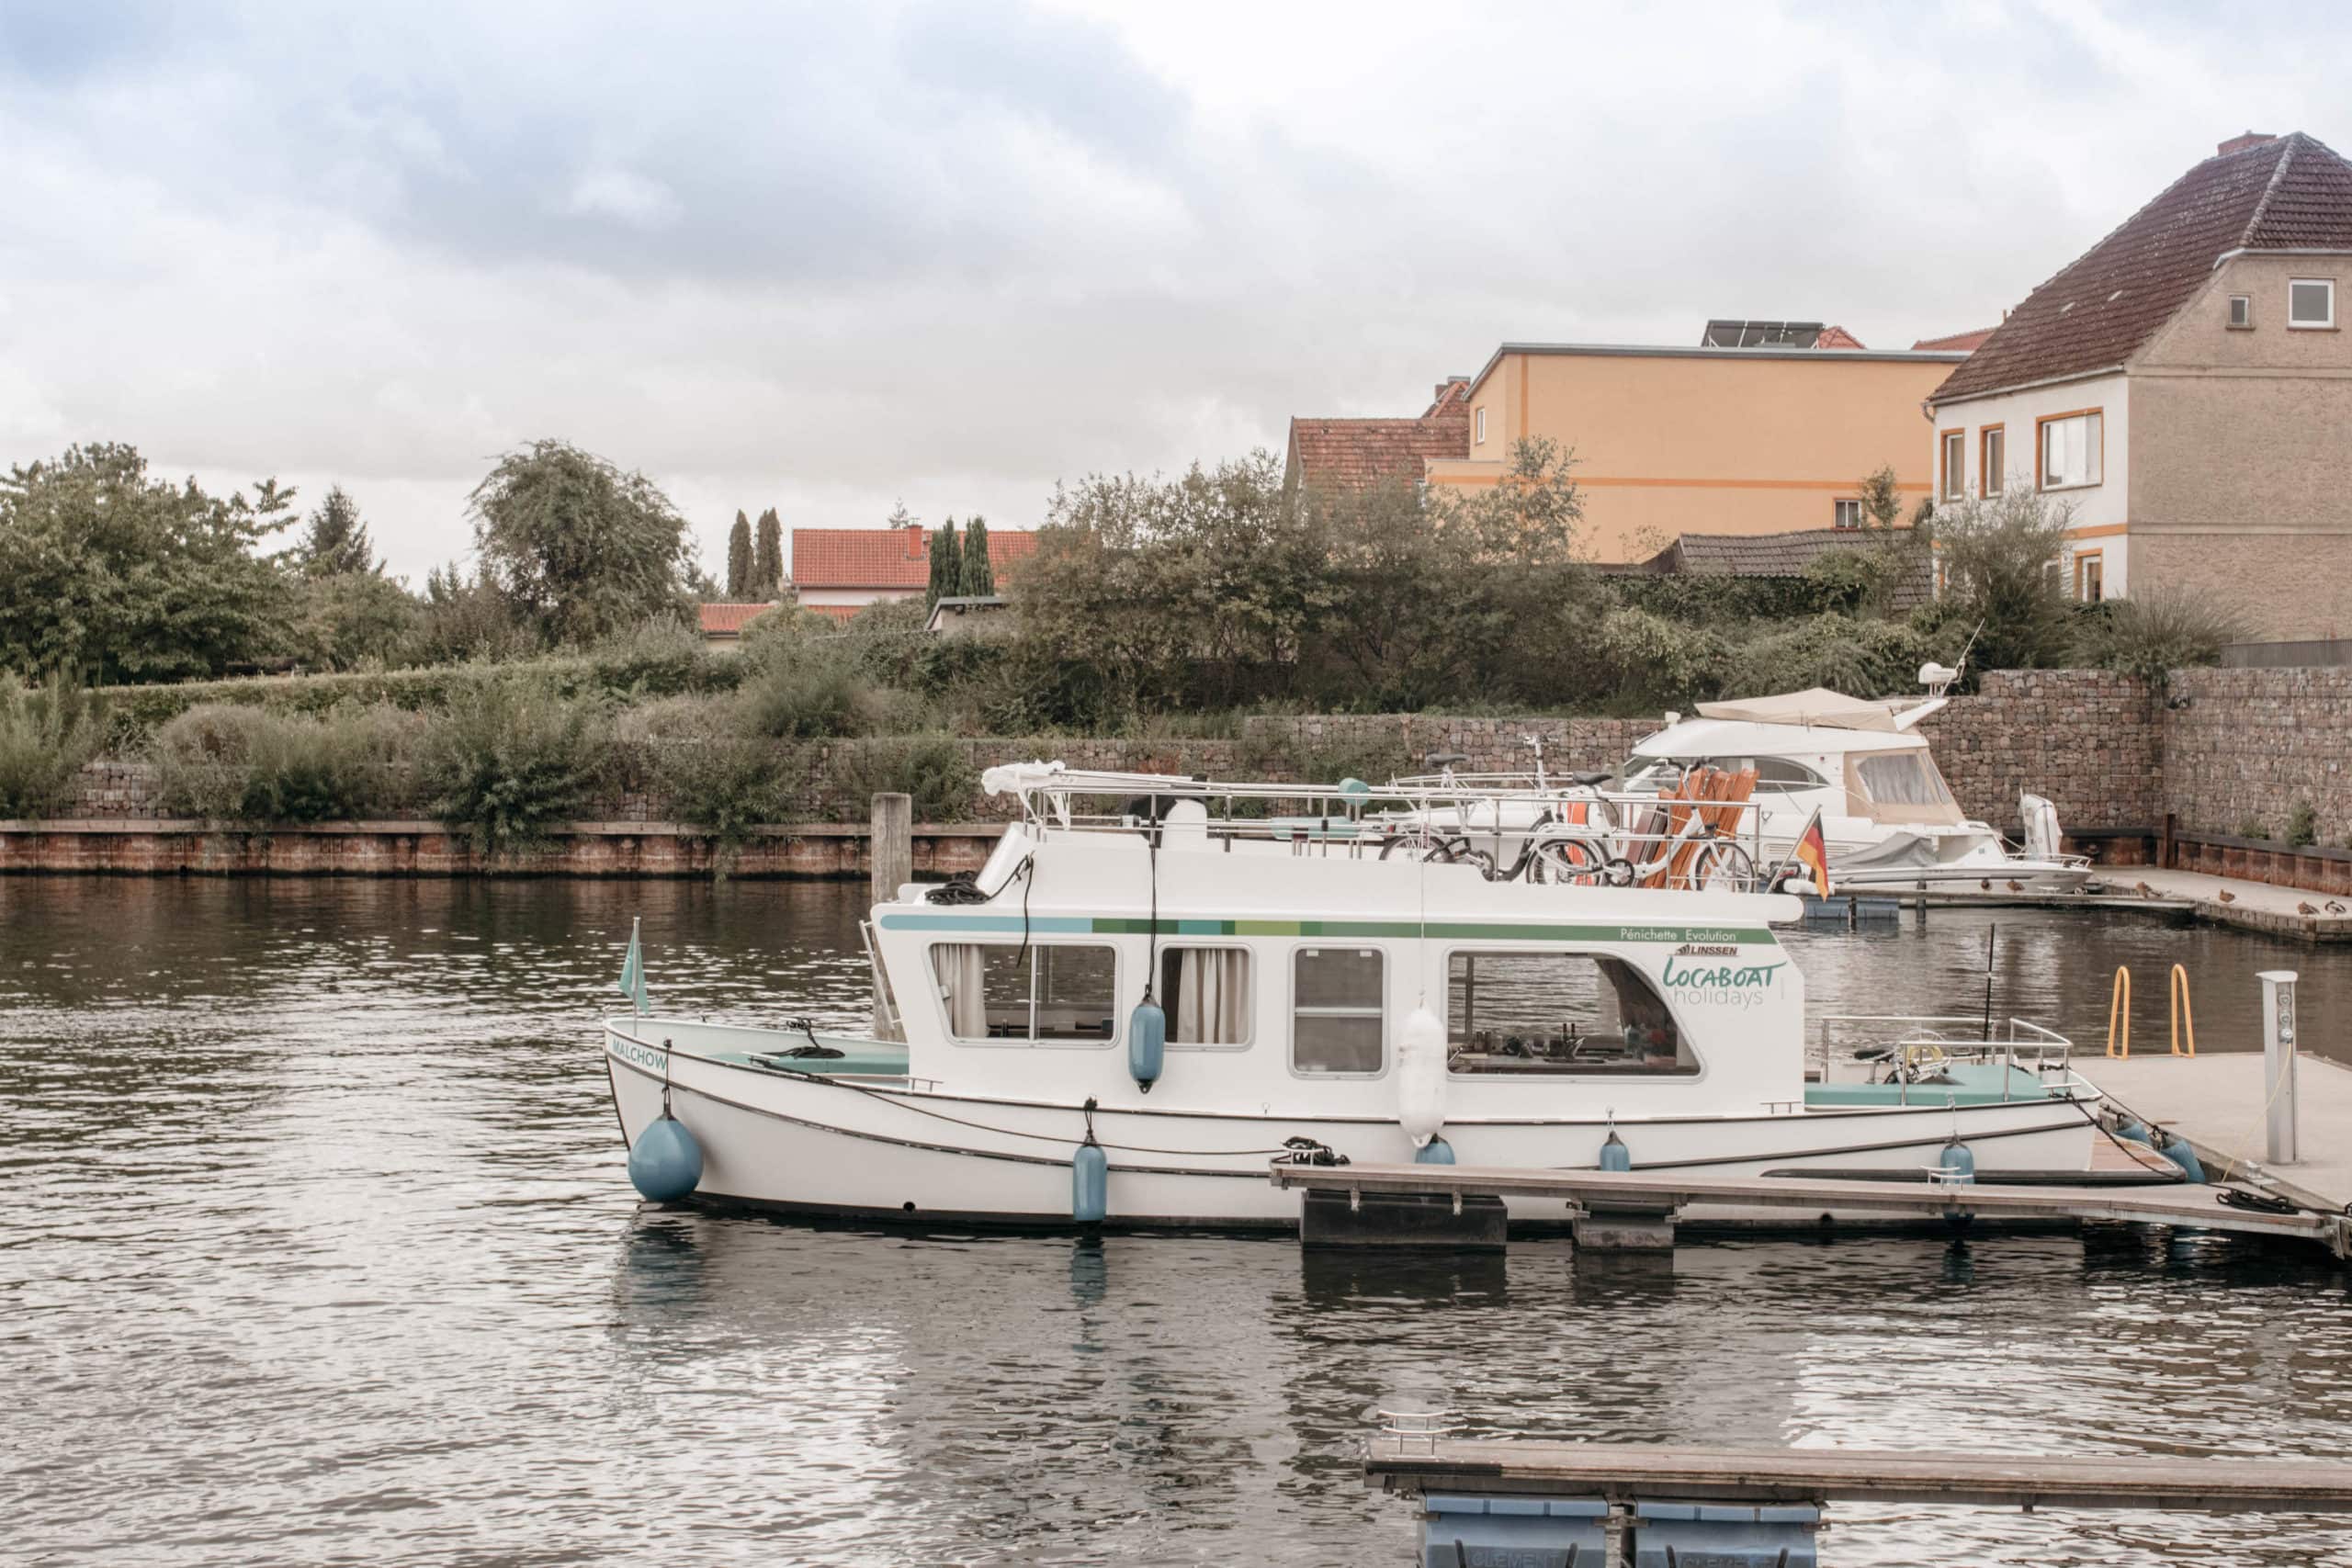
(1637, 1209)
(1514, 1501)
(2217, 1102)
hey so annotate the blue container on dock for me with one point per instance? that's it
(666, 1163)
(1462, 1531)
(1146, 1043)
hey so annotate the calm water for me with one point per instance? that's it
(319, 1249)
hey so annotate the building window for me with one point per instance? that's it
(1558, 1013)
(2242, 312)
(1339, 1010)
(2089, 577)
(1955, 461)
(1479, 419)
(996, 992)
(2311, 302)
(1993, 460)
(1207, 993)
(2072, 449)
(1850, 515)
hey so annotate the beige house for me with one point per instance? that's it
(1769, 435)
(2185, 389)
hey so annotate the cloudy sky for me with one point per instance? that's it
(823, 259)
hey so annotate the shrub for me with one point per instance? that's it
(1860, 657)
(508, 763)
(1646, 661)
(47, 732)
(801, 694)
(2303, 825)
(243, 764)
(2152, 634)
(932, 768)
(695, 757)
(659, 656)
(2253, 828)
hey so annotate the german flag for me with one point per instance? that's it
(1812, 852)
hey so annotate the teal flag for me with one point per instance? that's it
(633, 971)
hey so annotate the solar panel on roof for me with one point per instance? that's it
(1728, 334)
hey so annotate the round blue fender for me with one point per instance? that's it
(1090, 1183)
(666, 1163)
(1614, 1155)
(1147, 1042)
(1437, 1151)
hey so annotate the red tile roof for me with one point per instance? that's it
(886, 558)
(1967, 343)
(2285, 193)
(728, 620)
(839, 611)
(1837, 337)
(1355, 453)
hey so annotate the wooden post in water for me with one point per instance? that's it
(890, 850)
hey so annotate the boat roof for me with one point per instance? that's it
(1819, 707)
(1700, 740)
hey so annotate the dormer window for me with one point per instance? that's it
(2311, 302)
(2241, 313)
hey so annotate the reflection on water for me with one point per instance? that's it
(320, 1248)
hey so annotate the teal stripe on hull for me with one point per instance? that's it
(1487, 930)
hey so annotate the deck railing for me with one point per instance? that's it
(1909, 1048)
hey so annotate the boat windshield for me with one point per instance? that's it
(1901, 786)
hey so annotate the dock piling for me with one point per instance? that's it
(890, 851)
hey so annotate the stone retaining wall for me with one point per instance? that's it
(2219, 750)
(2243, 746)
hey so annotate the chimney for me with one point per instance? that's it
(915, 550)
(2251, 139)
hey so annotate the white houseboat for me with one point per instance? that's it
(1317, 1002)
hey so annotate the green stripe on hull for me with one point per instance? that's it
(1484, 930)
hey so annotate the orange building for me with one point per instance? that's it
(1770, 436)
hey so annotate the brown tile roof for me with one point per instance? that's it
(2287, 192)
(1965, 341)
(1355, 454)
(1774, 555)
(728, 620)
(886, 558)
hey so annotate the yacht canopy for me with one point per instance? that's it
(1826, 709)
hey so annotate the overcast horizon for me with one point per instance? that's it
(824, 260)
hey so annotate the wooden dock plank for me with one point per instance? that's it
(1416, 1464)
(2217, 1102)
(1670, 1190)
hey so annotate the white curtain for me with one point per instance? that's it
(963, 985)
(1213, 997)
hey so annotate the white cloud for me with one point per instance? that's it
(822, 258)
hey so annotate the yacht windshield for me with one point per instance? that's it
(1649, 776)
(1902, 778)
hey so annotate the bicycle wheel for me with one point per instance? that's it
(1724, 867)
(1568, 862)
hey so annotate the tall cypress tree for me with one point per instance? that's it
(767, 558)
(979, 573)
(738, 559)
(947, 564)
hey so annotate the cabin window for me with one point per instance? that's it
(1002, 993)
(1902, 778)
(1207, 994)
(1559, 1014)
(1339, 1010)
(1771, 772)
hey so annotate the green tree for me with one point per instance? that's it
(576, 546)
(1881, 497)
(335, 540)
(106, 570)
(947, 564)
(979, 579)
(738, 559)
(2000, 560)
(767, 558)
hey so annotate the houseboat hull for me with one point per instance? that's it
(875, 1148)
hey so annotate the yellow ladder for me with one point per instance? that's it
(2119, 1013)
